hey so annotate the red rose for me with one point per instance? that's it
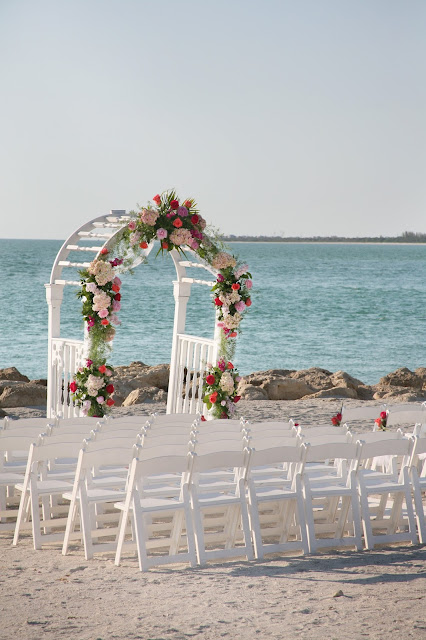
(164, 245)
(174, 204)
(233, 334)
(110, 402)
(334, 421)
(102, 368)
(117, 297)
(187, 204)
(210, 379)
(383, 415)
(115, 288)
(218, 302)
(224, 415)
(104, 251)
(73, 387)
(203, 419)
(177, 223)
(236, 399)
(339, 416)
(213, 397)
(109, 388)
(157, 199)
(235, 286)
(195, 219)
(230, 365)
(248, 302)
(105, 322)
(143, 245)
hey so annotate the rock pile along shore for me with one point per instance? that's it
(140, 383)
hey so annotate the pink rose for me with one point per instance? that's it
(249, 284)
(161, 233)
(103, 313)
(100, 399)
(132, 225)
(116, 306)
(240, 306)
(117, 281)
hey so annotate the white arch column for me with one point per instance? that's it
(54, 297)
(181, 294)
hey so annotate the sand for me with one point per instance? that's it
(337, 595)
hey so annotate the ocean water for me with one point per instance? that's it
(356, 307)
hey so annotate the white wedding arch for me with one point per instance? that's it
(189, 353)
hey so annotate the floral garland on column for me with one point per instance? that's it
(176, 226)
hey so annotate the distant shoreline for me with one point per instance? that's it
(405, 238)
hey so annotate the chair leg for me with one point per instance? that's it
(310, 525)
(72, 516)
(23, 505)
(418, 503)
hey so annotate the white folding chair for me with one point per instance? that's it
(276, 511)
(220, 512)
(382, 494)
(37, 487)
(86, 496)
(331, 501)
(10, 475)
(361, 414)
(162, 528)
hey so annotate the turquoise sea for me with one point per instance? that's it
(356, 307)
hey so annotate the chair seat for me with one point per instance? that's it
(9, 478)
(100, 495)
(264, 494)
(381, 485)
(49, 486)
(217, 499)
(154, 504)
(329, 488)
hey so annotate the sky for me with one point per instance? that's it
(290, 117)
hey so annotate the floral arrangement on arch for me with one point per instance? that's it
(220, 389)
(176, 225)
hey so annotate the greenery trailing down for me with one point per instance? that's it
(177, 227)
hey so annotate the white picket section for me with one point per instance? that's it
(67, 356)
(193, 354)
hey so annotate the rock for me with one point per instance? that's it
(12, 373)
(41, 381)
(402, 393)
(286, 388)
(343, 379)
(258, 377)
(315, 377)
(338, 594)
(336, 392)
(421, 373)
(23, 395)
(251, 392)
(145, 394)
(365, 392)
(402, 377)
(3, 414)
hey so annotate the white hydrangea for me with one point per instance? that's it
(101, 301)
(94, 383)
(102, 271)
(227, 382)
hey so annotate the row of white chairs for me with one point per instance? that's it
(291, 491)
